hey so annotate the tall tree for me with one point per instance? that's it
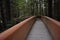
(3, 15)
(50, 8)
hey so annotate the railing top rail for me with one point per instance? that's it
(14, 28)
(53, 27)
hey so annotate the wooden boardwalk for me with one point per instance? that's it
(39, 32)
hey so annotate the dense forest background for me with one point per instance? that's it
(15, 11)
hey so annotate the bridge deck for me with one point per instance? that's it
(39, 32)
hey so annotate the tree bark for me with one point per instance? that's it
(50, 8)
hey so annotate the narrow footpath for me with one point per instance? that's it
(39, 32)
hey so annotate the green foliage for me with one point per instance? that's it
(25, 10)
(20, 4)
